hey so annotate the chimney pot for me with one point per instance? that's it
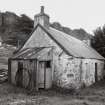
(42, 9)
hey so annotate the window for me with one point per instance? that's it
(70, 75)
(48, 64)
(31, 60)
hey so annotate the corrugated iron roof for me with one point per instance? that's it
(29, 53)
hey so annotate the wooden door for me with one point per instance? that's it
(48, 78)
(26, 78)
(45, 75)
(41, 75)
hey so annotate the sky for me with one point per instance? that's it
(75, 14)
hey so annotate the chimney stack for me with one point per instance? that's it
(41, 18)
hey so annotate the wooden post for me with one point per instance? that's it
(81, 71)
(45, 75)
(37, 80)
(33, 76)
(9, 70)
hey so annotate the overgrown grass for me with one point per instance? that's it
(12, 95)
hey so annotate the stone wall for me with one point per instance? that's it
(75, 73)
(88, 71)
(67, 71)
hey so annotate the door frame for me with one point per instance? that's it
(44, 61)
(44, 73)
(96, 74)
(19, 74)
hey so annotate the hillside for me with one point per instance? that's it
(78, 33)
(15, 30)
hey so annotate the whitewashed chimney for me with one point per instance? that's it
(41, 18)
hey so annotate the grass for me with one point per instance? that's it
(12, 95)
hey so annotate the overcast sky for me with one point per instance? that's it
(87, 14)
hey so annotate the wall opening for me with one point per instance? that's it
(48, 64)
(96, 76)
(44, 75)
(19, 74)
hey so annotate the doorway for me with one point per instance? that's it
(96, 76)
(19, 74)
(44, 75)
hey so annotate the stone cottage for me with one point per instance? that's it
(50, 57)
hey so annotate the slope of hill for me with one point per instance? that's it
(15, 30)
(78, 33)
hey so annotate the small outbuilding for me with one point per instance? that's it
(27, 64)
(51, 57)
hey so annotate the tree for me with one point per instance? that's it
(25, 24)
(20, 31)
(17, 39)
(98, 40)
